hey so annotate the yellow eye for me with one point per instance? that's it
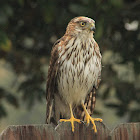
(83, 23)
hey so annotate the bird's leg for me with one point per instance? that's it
(89, 118)
(72, 119)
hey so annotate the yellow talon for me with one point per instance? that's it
(72, 119)
(89, 118)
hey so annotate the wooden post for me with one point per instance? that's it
(82, 132)
(30, 132)
(128, 131)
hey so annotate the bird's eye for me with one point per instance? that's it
(83, 23)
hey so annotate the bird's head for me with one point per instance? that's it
(81, 25)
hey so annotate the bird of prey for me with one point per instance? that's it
(74, 74)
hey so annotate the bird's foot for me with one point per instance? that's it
(89, 118)
(72, 120)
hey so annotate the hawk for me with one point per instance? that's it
(74, 74)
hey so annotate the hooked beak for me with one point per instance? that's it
(92, 27)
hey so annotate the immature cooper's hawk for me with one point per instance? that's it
(74, 73)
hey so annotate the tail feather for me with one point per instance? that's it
(50, 113)
(89, 104)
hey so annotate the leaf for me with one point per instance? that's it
(79, 9)
(12, 100)
(112, 105)
(116, 3)
(2, 93)
(2, 111)
(5, 43)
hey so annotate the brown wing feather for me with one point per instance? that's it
(51, 88)
(53, 72)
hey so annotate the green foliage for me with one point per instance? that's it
(10, 98)
(28, 30)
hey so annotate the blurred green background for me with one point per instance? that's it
(28, 29)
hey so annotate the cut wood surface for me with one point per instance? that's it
(128, 131)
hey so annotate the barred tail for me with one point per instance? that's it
(89, 104)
